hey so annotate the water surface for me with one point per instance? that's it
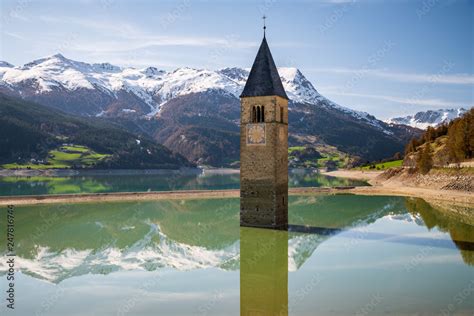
(142, 182)
(343, 255)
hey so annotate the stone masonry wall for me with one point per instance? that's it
(264, 168)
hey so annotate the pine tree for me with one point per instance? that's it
(424, 160)
(411, 147)
(457, 140)
(441, 130)
(461, 137)
(470, 133)
(429, 134)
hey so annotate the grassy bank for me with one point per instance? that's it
(63, 157)
(383, 165)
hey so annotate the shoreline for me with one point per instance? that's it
(142, 196)
(454, 197)
(99, 172)
(93, 172)
(379, 186)
(398, 187)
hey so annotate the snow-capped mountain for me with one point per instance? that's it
(148, 87)
(195, 111)
(148, 254)
(145, 254)
(428, 118)
(152, 86)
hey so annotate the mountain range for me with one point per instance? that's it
(431, 118)
(195, 112)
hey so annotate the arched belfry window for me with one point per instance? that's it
(281, 114)
(257, 115)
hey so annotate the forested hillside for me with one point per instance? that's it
(445, 144)
(34, 136)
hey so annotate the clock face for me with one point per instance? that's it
(256, 134)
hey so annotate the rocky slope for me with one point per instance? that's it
(439, 178)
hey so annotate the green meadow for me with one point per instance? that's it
(64, 157)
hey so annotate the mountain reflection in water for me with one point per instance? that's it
(142, 182)
(192, 257)
(56, 242)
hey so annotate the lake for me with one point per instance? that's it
(343, 254)
(120, 181)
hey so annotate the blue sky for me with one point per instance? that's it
(385, 57)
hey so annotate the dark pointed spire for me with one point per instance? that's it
(264, 79)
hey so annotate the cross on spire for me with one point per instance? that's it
(264, 79)
(264, 26)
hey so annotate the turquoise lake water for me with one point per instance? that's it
(343, 255)
(141, 182)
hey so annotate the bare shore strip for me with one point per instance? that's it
(141, 196)
(400, 186)
(379, 187)
(455, 197)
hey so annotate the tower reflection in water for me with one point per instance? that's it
(263, 271)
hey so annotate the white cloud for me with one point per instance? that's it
(113, 39)
(407, 101)
(439, 78)
(14, 35)
(123, 29)
(137, 38)
(116, 45)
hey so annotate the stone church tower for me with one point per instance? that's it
(264, 146)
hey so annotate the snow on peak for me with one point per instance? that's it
(156, 87)
(300, 89)
(239, 75)
(59, 56)
(153, 71)
(428, 118)
(188, 80)
(56, 59)
(149, 84)
(297, 87)
(106, 67)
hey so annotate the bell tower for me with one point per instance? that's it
(264, 146)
